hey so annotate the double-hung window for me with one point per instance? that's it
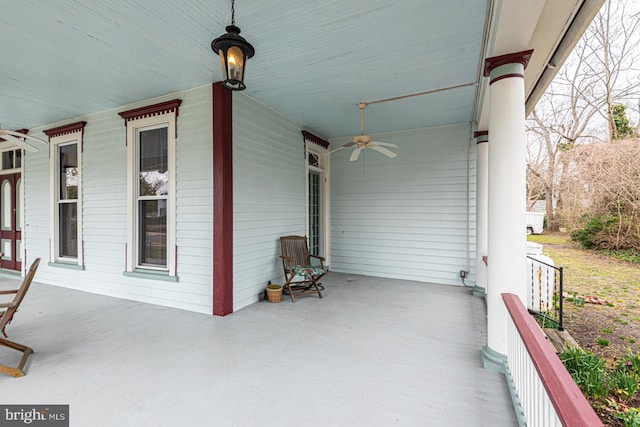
(65, 145)
(151, 144)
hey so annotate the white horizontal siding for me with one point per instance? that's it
(408, 217)
(104, 208)
(268, 194)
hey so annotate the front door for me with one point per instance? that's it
(11, 221)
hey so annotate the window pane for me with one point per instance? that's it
(7, 160)
(68, 168)
(154, 174)
(68, 237)
(18, 162)
(6, 218)
(153, 232)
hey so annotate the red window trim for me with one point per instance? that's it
(64, 129)
(151, 110)
(308, 136)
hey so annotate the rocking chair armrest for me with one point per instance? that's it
(320, 258)
(7, 304)
(13, 291)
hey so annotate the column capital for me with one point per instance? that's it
(494, 62)
(481, 136)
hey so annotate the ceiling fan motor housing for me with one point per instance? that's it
(362, 139)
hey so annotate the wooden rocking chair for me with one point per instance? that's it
(6, 316)
(296, 262)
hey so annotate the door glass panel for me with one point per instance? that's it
(314, 213)
(68, 237)
(154, 173)
(19, 202)
(5, 244)
(19, 250)
(6, 210)
(153, 232)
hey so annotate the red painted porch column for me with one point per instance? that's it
(222, 201)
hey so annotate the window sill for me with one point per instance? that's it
(68, 265)
(151, 275)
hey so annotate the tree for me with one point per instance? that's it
(611, 41)
(602, 195)
(621, 122)
(581, 100)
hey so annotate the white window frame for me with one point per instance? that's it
(54, 143)
(324, 170)
(134, 127)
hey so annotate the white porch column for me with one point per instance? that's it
(506, 240)
(482, 214)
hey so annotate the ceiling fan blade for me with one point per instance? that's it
(355, 154)
(385, 144)
(383, 150)
(347, 145)
(18, 141)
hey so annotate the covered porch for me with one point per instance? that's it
(372, 352)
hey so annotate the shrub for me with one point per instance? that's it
(588, 371)
(631, 418)
(624, 382)
(591, 234)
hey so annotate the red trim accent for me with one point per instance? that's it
(506, 76)
(222, 201)
(480, 133)
(315, 139)
(11, 261)
(64, 129)
(522, 57)
(151, 110)
(572, 407)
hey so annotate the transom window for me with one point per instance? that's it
(12, 159)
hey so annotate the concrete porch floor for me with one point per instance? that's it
(372, 352)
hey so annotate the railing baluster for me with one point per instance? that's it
(547, 393)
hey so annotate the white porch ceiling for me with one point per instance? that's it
(314, 60)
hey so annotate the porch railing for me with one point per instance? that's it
(548, 395)
(545, 291)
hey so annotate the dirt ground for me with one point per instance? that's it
(610, 328)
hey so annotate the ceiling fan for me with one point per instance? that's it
(22, 140)
(362, 141)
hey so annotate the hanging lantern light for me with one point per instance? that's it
(233, 51)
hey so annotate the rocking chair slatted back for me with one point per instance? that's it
(294, 251)
(296, 261)
(7, 310)
(12, 306)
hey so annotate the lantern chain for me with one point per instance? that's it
(233, 12)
